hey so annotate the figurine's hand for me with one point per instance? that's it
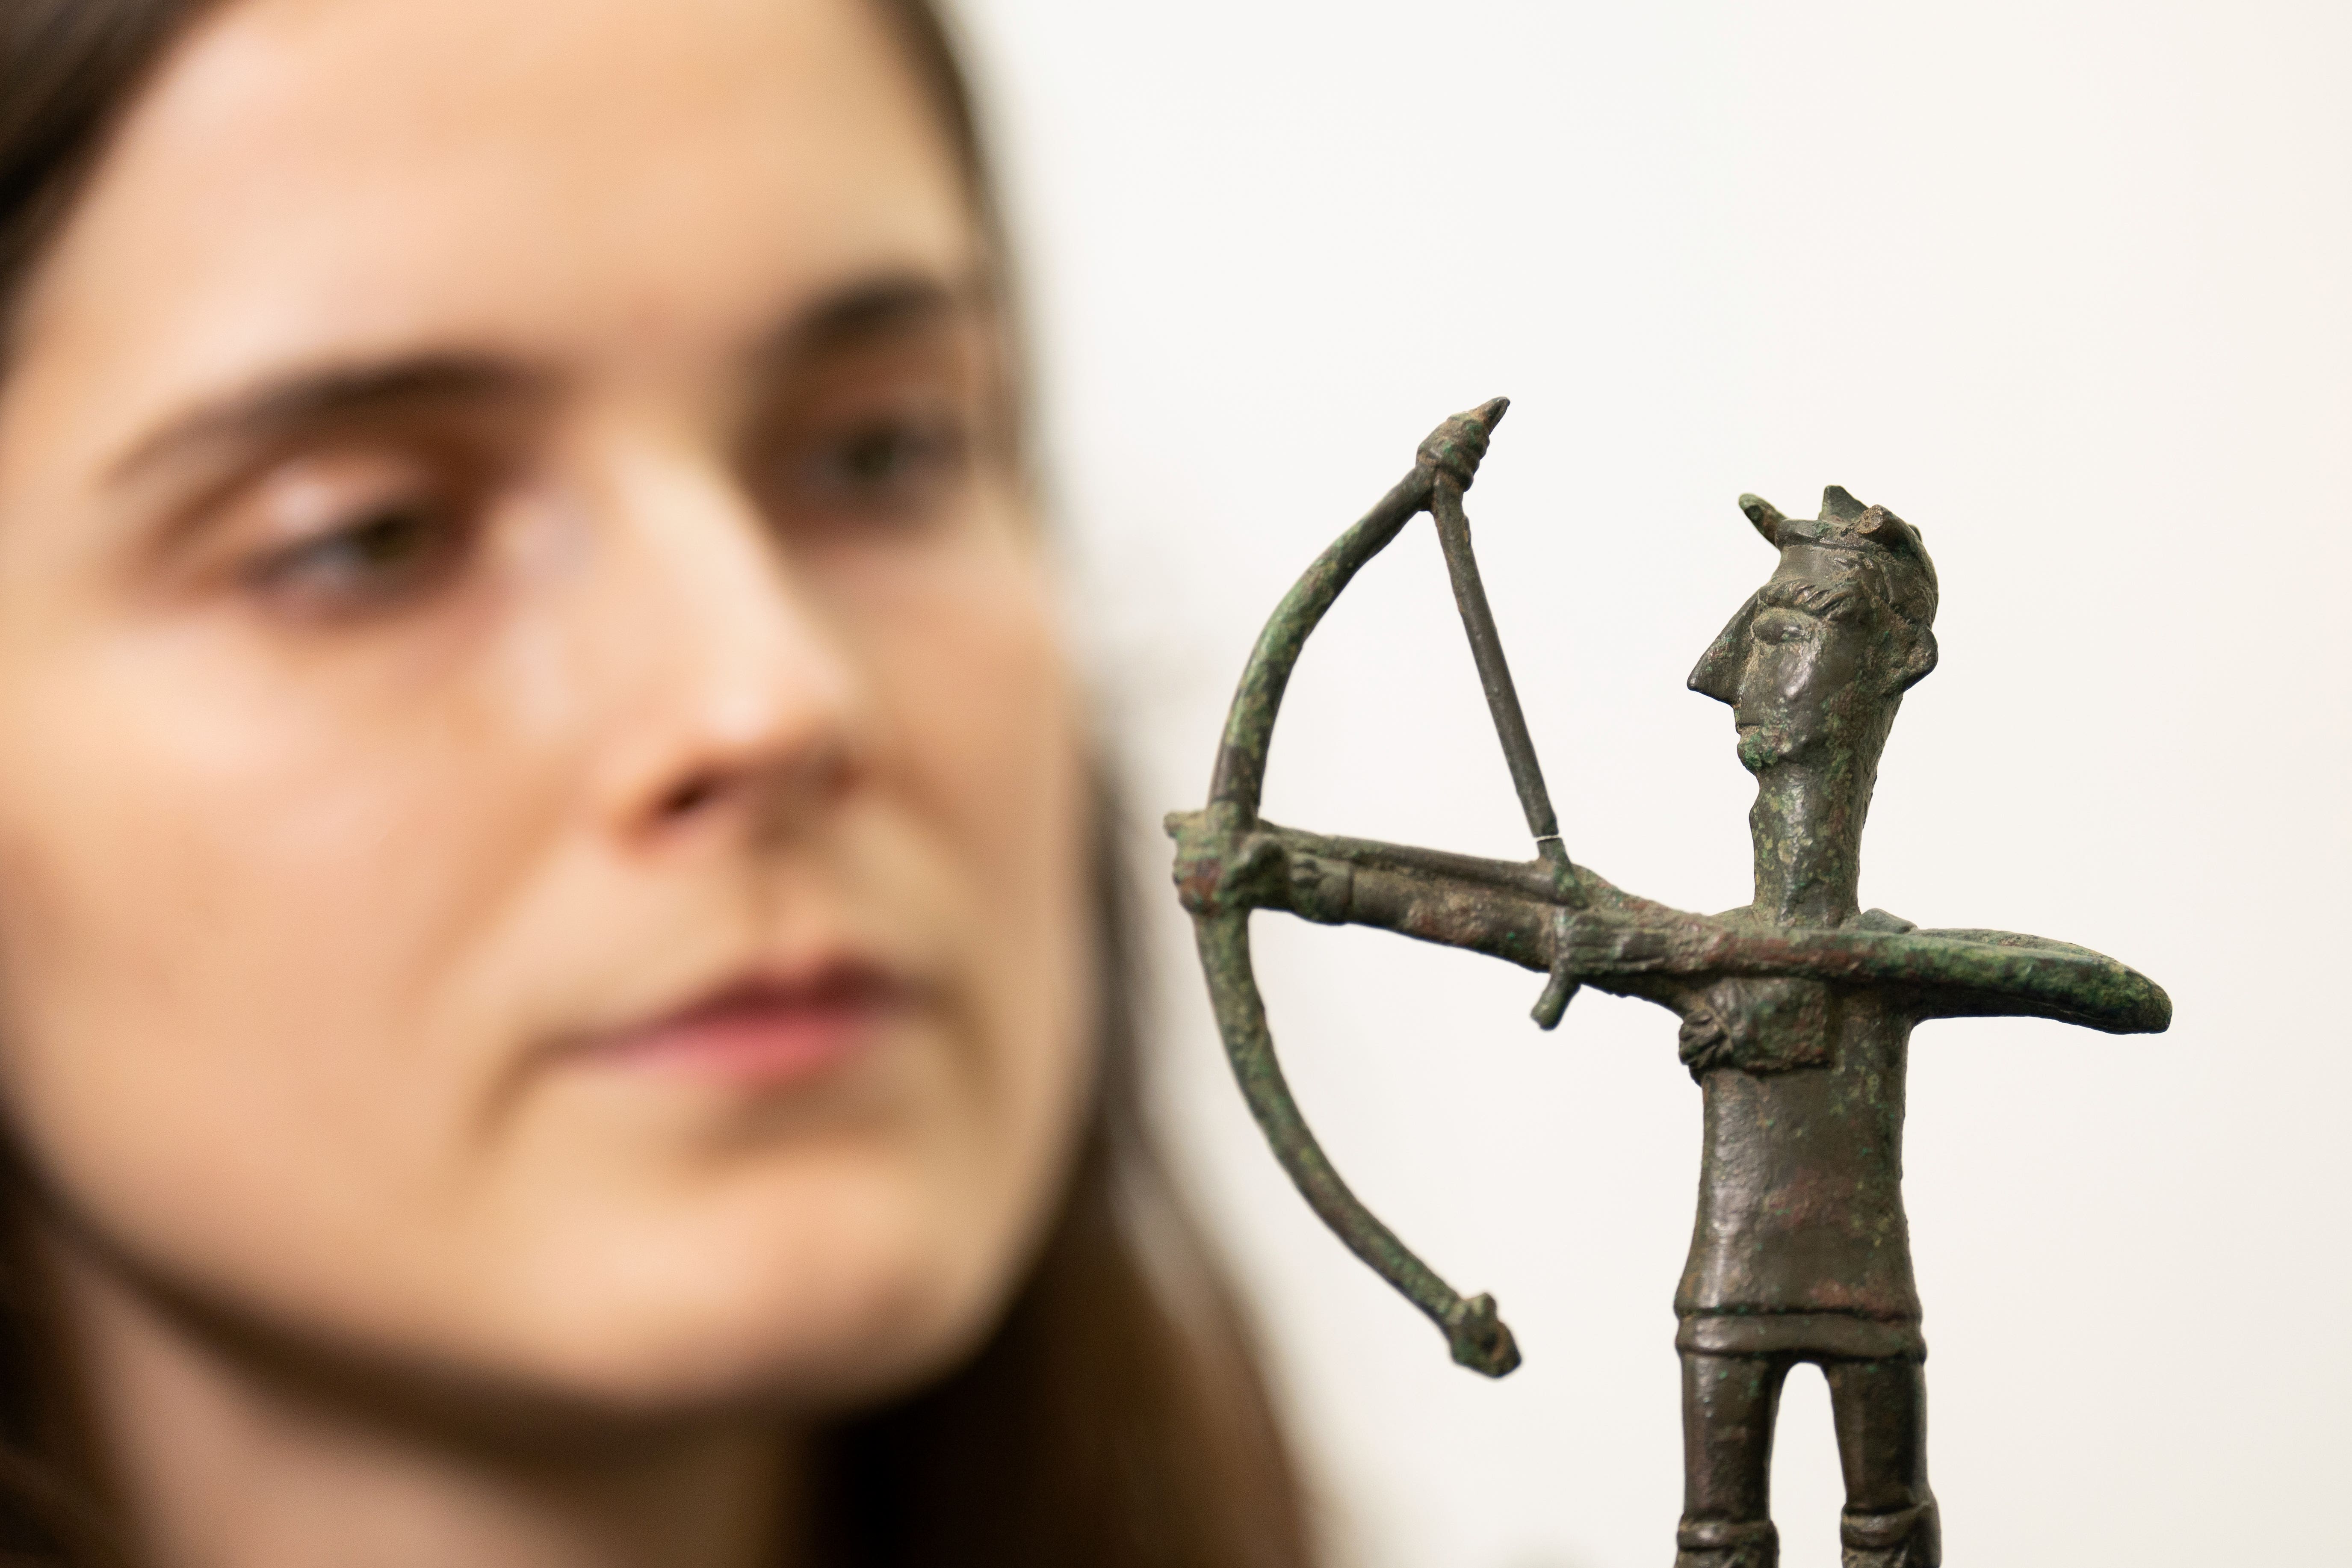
(1599, 944)
(1223, 863)
(1222, 866)
(1617, 951)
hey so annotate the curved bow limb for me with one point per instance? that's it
(1452, 452)
(1474, 1331)
(1224, 869)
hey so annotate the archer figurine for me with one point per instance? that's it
(1796, 1010)
(1800, 1251)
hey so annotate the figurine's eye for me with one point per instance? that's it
(1779, 627)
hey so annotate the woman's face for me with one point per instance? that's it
(541, 834)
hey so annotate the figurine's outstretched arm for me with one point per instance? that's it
(1504, 909)
(1600, 935)
(2093, 989)
(1937, 973)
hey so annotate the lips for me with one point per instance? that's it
(766, 1032)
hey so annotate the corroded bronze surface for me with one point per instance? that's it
(1796, 1009)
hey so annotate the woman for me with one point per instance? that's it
(556, 1005)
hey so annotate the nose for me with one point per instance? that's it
(741, 702)
(1716, 674)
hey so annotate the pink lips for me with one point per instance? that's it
(766, 1033)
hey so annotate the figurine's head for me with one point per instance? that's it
(1816, 662)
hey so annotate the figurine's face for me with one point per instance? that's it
(1805, 665)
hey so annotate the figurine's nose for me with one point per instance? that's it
(1716, 674)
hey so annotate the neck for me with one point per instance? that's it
(224, 1464)
(1807, 827)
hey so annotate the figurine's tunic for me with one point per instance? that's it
(1801, 1245)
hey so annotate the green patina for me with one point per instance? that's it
(1796, 1009)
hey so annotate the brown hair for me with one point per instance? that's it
(1117, 1418)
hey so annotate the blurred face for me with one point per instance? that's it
(543, 840)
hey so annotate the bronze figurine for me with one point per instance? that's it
(1796, 1010)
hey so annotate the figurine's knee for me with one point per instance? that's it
(1725, 1544)
(1906, 1537)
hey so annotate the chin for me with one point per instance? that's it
(804, 1301)
(1761, 745)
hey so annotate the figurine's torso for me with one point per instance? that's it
(1800, 1243)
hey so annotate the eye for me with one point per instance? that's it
(899, 467)
(378, 555)
(1776, 627)
(890, 454)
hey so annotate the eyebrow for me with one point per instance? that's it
(1808, 595)
(874, 308)
(331, 394)
(285, 407)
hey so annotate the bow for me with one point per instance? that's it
(1545, 914)
(1228, 864)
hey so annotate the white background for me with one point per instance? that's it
(2068, 286)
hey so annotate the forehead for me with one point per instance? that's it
(576, 181)
(1812, 563)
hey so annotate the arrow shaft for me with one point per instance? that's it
(1494, 671)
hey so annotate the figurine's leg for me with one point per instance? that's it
(1881, 1408)
(1729, 1404)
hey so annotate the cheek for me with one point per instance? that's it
(1838, 669)
(230, 903)
(982, 717)
(1774, 676)
(985, 729)
(1797, 673)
